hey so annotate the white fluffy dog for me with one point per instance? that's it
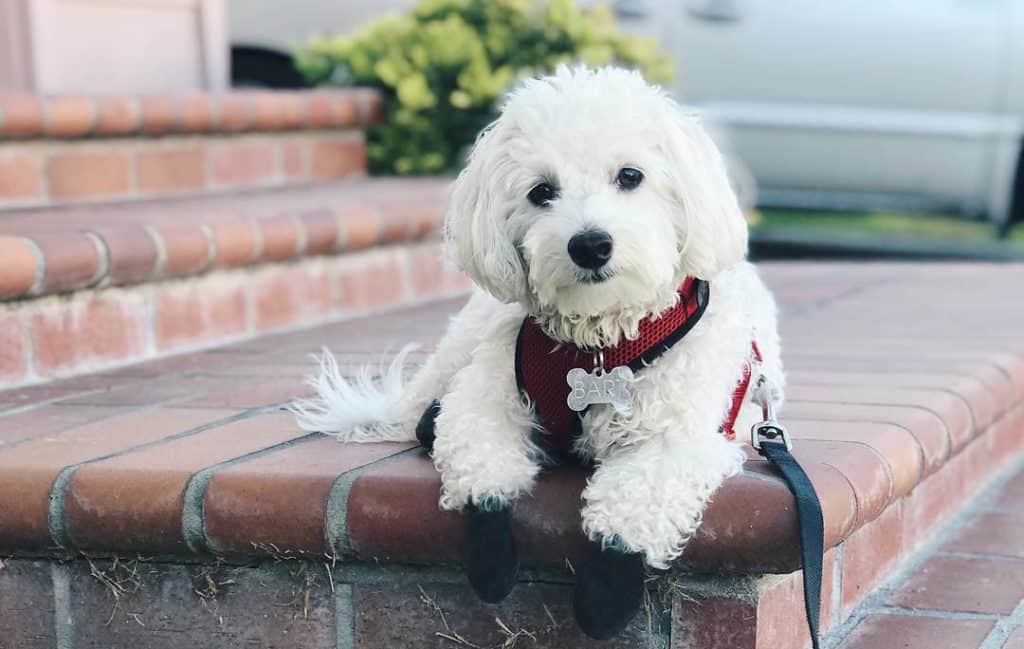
(584, 207)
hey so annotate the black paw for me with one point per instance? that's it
(492, 562)
(425, 427)
(609, 591)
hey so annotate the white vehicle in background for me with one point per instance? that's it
(913, 105)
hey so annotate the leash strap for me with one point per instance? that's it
(812, 535)
(772, 441)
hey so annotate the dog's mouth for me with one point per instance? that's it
(593, 276)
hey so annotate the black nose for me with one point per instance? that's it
(591, 249)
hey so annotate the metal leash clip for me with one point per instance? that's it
(769, 430)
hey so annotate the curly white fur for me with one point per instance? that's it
(658, 464)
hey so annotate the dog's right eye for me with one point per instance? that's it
(542, 195)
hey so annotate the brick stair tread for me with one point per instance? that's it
(62, 249)
(26, 115)
(891, 382)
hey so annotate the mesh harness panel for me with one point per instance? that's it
(542, 363)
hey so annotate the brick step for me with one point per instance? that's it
(82, 149)
(148, 279)
(188, 462)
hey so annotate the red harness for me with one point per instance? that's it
(542, 364)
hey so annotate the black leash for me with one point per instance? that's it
(772, 441)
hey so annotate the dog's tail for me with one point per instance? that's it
(367, 408)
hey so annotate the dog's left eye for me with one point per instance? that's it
(629, 178)
(542, 195)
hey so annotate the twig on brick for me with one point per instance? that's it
(554, 624)
(330, 576)
(120, 579)
(449, 634)
(512, 638)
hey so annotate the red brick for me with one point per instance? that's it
(321, 231)
(289, 295)
(372, 281)
(867, 472)
(235, 110)
(991, 533)
(163, 169)
(196, 113)
(766, 540)
(781, 611)
(71, 261)
(896, 445)
(955, 414)
(68, 116)
(973, 391)
(869, 555)
(13, 353)
(159, 114)
(45, 420)
(20, 114)
(398, 616)
(337, 158)
(198, 311)
(133, 502)
(117, 115)
(295, 158)
(131, 252)
(27, 604)
(711, 622)
(243, 163)
(319, 110)
(100, 328)
(906, 632)
(942, 493)
(950, 583)
(253, 393)
(167, 606)
(294, 110)
(427, 271)
(281, 237)
(89, 173)
(268, 112)
(361, 226)
(186, 247)
(20, 266)
(924, 425)
(27, 471)
(21, 176)
(235, 241)
(279, 500)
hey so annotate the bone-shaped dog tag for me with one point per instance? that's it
(587, 388)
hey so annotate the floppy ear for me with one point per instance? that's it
(713, 228)
(476, 223)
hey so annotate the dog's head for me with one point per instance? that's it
(593, 192)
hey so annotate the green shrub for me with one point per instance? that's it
(443, 67)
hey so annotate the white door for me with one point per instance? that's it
(847, 103)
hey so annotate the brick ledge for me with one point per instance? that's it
(61, 250)
(75, 116)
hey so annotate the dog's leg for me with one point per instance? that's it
(642, 504)
(486, 459)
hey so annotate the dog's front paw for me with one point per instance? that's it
(425, 427)
(609, 591)
(492, 561)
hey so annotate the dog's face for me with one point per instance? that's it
(593, 193)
